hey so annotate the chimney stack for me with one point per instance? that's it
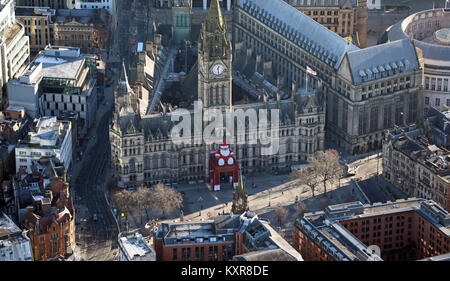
(258, 63)
(65, 193)
(265, 98)
(279, 82)
(294, 89)
(267, 69)
(158, 40)
(46, 207)
(248, 55)
(49, 195)
(278, 99)
(164, 110)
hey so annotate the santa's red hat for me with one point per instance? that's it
(224, 144)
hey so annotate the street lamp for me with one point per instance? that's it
(378, 160)
(200, 200)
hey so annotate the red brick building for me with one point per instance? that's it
(15, 125)
(50, 220)
(219, 240)
(403, 230)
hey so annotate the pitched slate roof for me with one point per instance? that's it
(382, 60)
(310, 35)
(429, 51)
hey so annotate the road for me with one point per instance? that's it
(101, 238)
(97, 239)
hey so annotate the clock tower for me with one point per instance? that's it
(214, 61)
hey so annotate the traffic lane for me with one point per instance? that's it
(96, 203)
(103, 229)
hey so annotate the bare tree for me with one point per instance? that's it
(326, 167)
(125, 200)
(280, 215)
(165, 198)
(144, 200)
(301, 208)
(307, 177)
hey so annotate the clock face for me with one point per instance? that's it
(217, 69)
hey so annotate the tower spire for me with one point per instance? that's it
(214, 19)
(124, 92)
(124, 73)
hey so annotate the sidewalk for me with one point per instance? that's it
(272, 192)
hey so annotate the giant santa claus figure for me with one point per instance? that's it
(225, 155)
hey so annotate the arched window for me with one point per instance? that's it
(147, 163)
(223, 94)
(289, 146)
(155, 162)
(163, 161)
(132, 165)
(211, 96)
(218, 99)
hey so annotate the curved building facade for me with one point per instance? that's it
(430, 30)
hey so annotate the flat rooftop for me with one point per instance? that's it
(11, 33)
(27, 11)
(190, 230)
(49, 132)
(389, 207)
(135, 246)
(60, 67)
(7, 227)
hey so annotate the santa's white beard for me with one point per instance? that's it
(225, 152)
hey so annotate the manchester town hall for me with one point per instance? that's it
(277, 58)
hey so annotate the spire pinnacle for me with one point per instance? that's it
(214, 19)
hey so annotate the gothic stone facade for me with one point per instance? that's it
(142, 148)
